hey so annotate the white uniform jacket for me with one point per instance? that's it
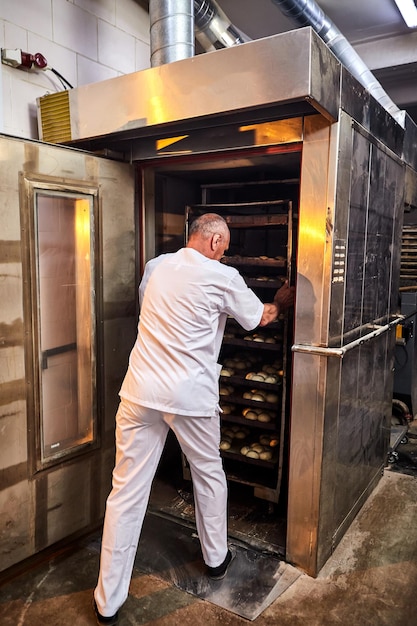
(185, 299)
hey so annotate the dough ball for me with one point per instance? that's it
(271, 379)
(265, 439)
(258, 397)
(264, 417)
(258, 377)
(251, 415)
(271, 397)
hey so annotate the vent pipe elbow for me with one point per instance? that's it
(308, 13)
(213, 28)
(171, 30)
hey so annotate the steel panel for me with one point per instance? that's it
(44, 510)
(347, 278)
(314, 237)
(362, 107)
(410, 142)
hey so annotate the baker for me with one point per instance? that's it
(172, 383)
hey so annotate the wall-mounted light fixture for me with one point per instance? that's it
(408, 10)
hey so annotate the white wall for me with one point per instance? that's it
(84, 40)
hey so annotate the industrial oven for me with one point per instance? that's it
(309, 171)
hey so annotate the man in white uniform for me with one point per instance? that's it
(172, 382)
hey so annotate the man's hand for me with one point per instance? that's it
(283, 300)
(284, 297)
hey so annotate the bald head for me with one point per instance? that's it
(209, 235)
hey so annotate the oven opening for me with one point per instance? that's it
(258, 196)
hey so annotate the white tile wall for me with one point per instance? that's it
(75, 29)
(105, 9)
(32, 15)
(15, 36)
(90, 72)
(131, 18)
(23, 121)
(143, 55)
(121, 53)
(84, 40)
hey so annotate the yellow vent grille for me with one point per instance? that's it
(54, 121)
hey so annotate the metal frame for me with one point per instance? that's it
(30, 185)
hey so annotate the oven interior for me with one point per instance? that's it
(258, 197)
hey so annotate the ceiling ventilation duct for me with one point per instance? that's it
(171, 30)
(213, 28)
(308, 13)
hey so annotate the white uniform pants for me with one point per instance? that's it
(140, 438)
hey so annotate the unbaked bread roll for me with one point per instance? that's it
(264, 417)
(251, 415)
(271, 397)
(259, 397)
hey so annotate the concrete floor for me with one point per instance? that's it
(370, 580)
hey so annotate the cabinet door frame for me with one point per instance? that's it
(31, 186)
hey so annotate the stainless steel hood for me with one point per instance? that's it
(257, 76)
(292, 74)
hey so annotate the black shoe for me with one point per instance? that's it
(110, 621)
(219, 572)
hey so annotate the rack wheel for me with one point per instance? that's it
(393, 457)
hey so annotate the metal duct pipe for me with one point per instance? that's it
(171, 30)
(308, 13)
(213, 28)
